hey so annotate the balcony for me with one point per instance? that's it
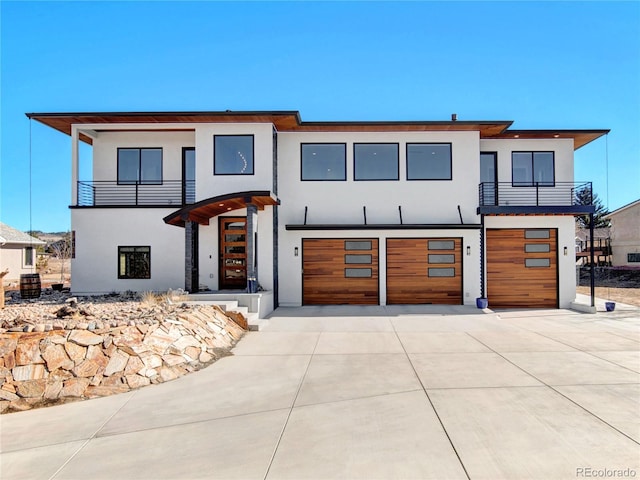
(535, 198)
(169, 193)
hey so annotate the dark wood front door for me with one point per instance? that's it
(233, 252)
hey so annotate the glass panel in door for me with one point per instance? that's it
(233, 252)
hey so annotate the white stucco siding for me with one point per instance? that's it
(562, 148)
(99, 232)
(290, 266)
(566, 239)
(105, 151)
(422, 201)
(209, 185)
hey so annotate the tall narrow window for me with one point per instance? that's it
(428, 161)
(323, 161)
(375, 161)
(140, 165)
(233, 154)
(134, 262)
(28, 256)
(532, 169)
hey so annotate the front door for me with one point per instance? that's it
(233, 252)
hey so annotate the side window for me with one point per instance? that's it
(140, 165)
(29, 254)
(233, 154)
(134, 262)
(323, 161)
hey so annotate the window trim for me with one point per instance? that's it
(25, 256)
(429, 179)
(532, 183)
(355, 179)
(125, 277)
(253, 148)
(139, 180)
(302, 179)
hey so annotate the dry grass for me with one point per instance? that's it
(630, 296)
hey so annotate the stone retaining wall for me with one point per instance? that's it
(49, 367)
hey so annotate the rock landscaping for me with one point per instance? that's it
(59, 348)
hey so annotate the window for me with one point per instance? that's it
(357, 273)
(233, 154)
(357, 245)
(28, 256)
(134, 262)
(140, 165)
(633, 257)
(530, 169)
(429, 161)
(529, 234)
(375, 161)
(324, 161)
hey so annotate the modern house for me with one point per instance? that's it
(625, 235)
(17, 253)
(398, 212)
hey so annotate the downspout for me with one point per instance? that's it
(592, 255)
(482, 268)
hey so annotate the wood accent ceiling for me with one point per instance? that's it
(289, 121)
(204, 210)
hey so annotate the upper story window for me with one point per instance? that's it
(428, 161)
(233, 154)
(140, 165)
(375, 161)
(532, 168)
(323, 161)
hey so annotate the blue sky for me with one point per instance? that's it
(565, 65)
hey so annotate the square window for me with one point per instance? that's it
(140, 166)
(375, 161)
(323, 161)
(530, 169)
(233, 154)
(429, 161)
(134, 262)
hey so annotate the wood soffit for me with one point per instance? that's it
(289, 121)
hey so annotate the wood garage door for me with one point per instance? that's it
(522, 268)
(340, 271)
(424, 270)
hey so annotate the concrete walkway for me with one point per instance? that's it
(367, 393)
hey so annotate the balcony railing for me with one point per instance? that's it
(135, 194)
(536, 194)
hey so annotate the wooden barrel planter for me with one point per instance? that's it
(30, 285)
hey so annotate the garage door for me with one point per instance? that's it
(424, 270)
(340, 271)
(522, 268)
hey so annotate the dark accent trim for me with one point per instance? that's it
(560, 210)
(364, 213)
(400, 213)
(253, 159)
(482, 257)
(184, 172)
(533, 163)
(460, 215)
(355, 179)
(429, 179)
(306, 208)
(406, 226)
(592, 254)
(302, 179)
(276, 244)
(92, 207)
(139, 181)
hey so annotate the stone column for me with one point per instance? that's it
(191, 273)
(252, 264)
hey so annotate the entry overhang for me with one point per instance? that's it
(202, 211)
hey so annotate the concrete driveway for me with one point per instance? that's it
(367, 393)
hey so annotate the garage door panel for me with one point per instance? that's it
(519, 272)
(408, 271)
(331, 276)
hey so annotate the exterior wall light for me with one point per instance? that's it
(468, 250)
(565, 251)
(295, 251)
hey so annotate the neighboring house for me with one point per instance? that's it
(601, 246)
(625, 235)
(17, 252)
(428, 212)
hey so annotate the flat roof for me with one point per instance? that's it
(290, 121)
